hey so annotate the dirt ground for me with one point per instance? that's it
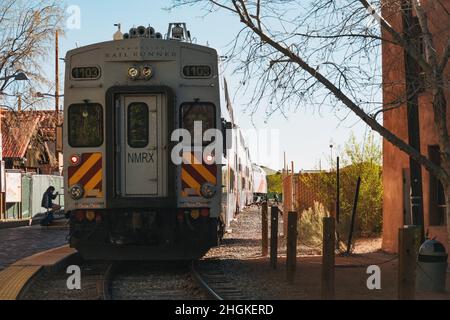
(241, 259)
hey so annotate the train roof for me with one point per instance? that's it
(138, 49)
(139, 42)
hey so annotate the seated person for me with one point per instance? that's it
(47, 203)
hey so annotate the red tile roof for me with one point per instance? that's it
(19, 127)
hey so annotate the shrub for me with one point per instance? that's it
(357, 160)
(310, 226)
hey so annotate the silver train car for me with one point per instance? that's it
(127, 197)
(259, 184)
(237, 177)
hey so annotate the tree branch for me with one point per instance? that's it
(387, 134)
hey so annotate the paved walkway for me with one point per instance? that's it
(19, 243)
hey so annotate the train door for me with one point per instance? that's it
(139, 135)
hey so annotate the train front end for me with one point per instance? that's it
(142, 180)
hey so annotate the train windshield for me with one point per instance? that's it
(198, 112)
(85, 125)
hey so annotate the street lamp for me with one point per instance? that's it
(331, 149)
(18, 76)
(43, 95)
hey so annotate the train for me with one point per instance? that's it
(155, 165)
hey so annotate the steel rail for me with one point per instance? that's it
(203, 283)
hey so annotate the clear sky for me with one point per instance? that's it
(305, 135)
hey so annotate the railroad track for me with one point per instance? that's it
(167, 281)
(210, 276)
(197, 280)
(151, 281)
(52, 285)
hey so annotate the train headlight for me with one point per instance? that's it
(76, 192)
(133, 73)
(208, 190)
(147, 72)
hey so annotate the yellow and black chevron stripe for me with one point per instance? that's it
(89, 174)
(194, 173)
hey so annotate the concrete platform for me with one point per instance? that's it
(9, 224)
(6, 224)
(15, 278)
(58, 224)
(19, 243)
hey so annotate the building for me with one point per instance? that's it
(28, 139)
(408, 188)
(29, 160)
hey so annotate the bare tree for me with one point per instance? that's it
(328, 52)
(27, 29)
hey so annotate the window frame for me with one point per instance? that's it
(69, 125)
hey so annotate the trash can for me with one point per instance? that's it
(431, 267)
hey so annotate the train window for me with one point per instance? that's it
(85, 125)
(138, 125)
(198, 112)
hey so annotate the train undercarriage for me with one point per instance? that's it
(144, 234)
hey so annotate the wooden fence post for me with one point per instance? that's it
(274, 237)
(265, 229)
(291, 247)
(328, 258)
(408, 246)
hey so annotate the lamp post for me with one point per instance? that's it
(20, 76)
(330, 187)
(331, 157)
(43, 95)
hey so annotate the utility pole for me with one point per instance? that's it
(338, 204)
(19, 103)
(56, 73)
(2, 195)
(330, 187)
(56, 95)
